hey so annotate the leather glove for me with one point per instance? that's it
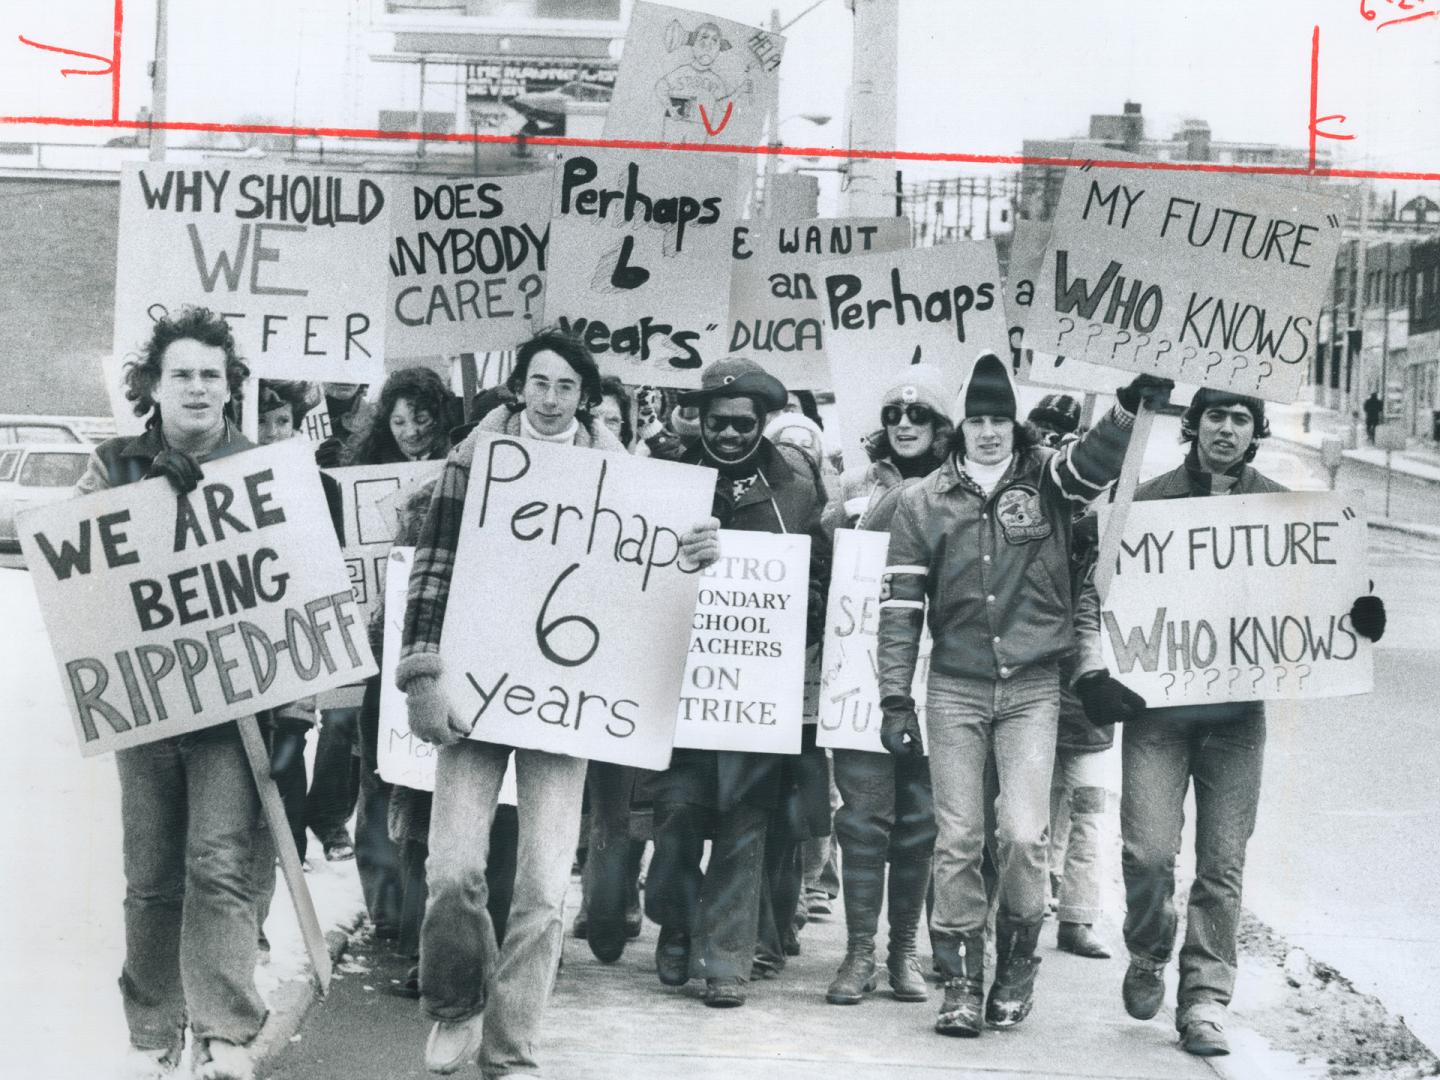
(431, 718)
(900, 727)
(1151, 389)
(1367, 615)
(1107, 701)
(286, 747)
(700, 544)
(182, 470)
(329, 452)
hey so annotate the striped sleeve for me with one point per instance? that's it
(1085, 467)
(902, 601)
(434, 563)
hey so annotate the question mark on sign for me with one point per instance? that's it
(1265, 374)
(1214, 363)
(1121, 338)
(1259, 674)
(1096, 329)
(1061, 336)
(1165, 347)
(1171, 684)
(1140, 343)
(1234, 674)
(1189, 678)
(530, 286)
(1301, 674)
(1279, 678)
(1212, 676)
(1241, 363)
(1187, 356)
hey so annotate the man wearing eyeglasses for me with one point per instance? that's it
(709, 922)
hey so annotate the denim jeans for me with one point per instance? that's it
(966, 720)
(188, 811)
(887, 807)
(1160, 759)
(1077, 808)
(336, 783)
(611, 870)
(461, 968)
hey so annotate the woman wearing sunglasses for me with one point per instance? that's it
(886, 812)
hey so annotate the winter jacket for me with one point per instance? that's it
(995, 569)
(786, 497)
(1189, 482)
(440, 535)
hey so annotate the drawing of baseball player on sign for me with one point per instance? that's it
(690, 77)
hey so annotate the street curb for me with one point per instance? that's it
(1400, 469)
(1407, 528)
(294, 999)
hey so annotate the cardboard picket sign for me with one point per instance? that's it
(939, 305)
(1243, 598)
(640, 260)
(744, 685)
(777, 300)
(1027, 255)
(849, 689)
(1200, 277)
(691, 77)
(401, 758)
(295, 261)
(467, 263)
(568, 613)
(170, 613)
(372, 497)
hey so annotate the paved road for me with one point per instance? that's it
(1346, 856)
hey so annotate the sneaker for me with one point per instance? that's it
(1080, 939)
(725, 993)
(1204, 1038)
(1143, 988)
(453, 1043)
(672, 956)
(216, 1059)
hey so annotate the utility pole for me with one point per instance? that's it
(771, 160)
(158, 78)
(873, 77)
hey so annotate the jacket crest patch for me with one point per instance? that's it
(1017, 509)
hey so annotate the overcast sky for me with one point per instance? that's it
(974, 76)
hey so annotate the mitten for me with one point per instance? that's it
(1107, 701)
(1367, 615)
(1152, 389)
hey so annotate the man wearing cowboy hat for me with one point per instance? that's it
(709, 923)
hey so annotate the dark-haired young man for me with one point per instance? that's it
(188, 804)
(986, 540)
(1221, 748)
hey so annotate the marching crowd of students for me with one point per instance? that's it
(987, 815)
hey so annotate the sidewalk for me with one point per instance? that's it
(1421, 460)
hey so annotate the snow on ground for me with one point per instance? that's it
(61, 922)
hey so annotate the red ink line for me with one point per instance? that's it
(70, 52)
(115, 62)
(465, 138)
(729, 108)
(1407, 18)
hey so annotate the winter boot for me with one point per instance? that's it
(1013, 992)
(962, 965)
(863, 881)
(909, 879)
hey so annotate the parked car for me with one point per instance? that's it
(33, 475)
(34, 429)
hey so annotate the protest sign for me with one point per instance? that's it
(744, 683)
(777, 302)
(569, 608)
(689, 77)
(1239, 599)
(371, 497)
(1199, 277)
(939, 305)
(168, 614)
(402, 758)
(640, 263)
(467, 263)
(849, 689)
(294, 261)
(1027, 253)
